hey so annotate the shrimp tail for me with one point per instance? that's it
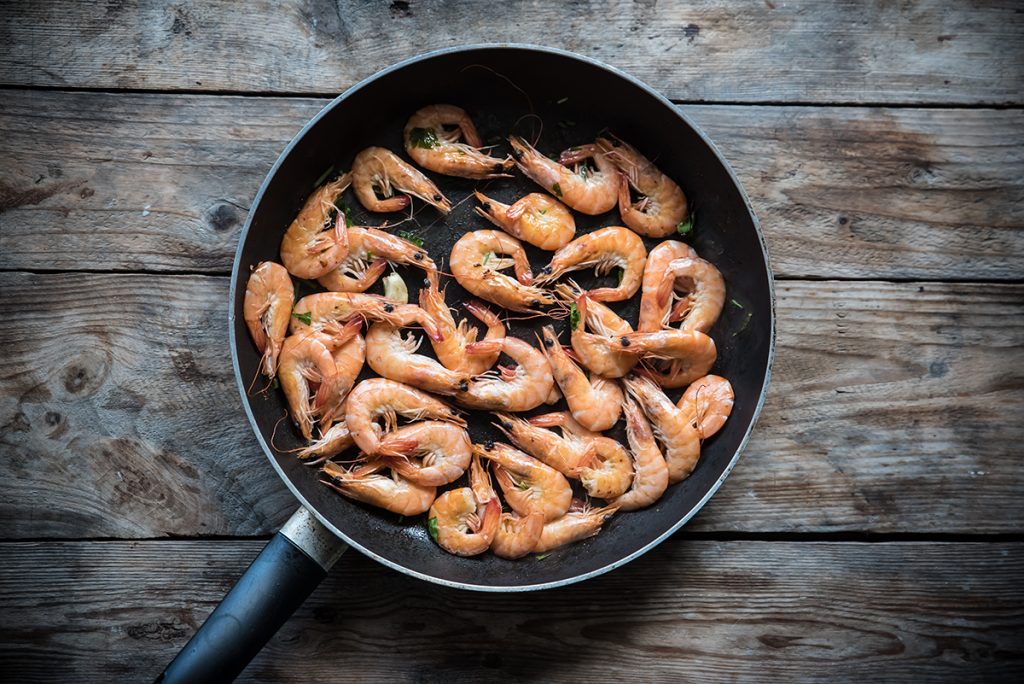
(485, 347)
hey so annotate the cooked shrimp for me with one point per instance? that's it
(451, 349)
(685, 355)
(662, 205)
(673, 427)
(432, 452)
(650, 472)
(369, 252)
(537, 218)
(392, 355)
(709, 400)
(269, 296)
(464, 521)
(476, 265)
(604, 249)
(305, 360)
(432, 140)
(325, 311)
(705, 288)
(316, 240)
(604, 469)
(517, 534)
(585, 189)
(365, 483)
(381, 398)
(596, 349)
(378, 170)
(652, 314)
(522, 388)
(563, 453)
(595, 402)
(572, 527)
(348, 349)
(529, 485)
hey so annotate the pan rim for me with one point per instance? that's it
(291, 485)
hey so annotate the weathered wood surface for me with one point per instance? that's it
(824, 51)
(733, 611)
(163, 182)
(893, 408)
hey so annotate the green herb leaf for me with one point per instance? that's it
(346, 211)
(432, 528)
(686, 227)
(543, 211)
(562, 101)
(557, 189)
(275, 383)
(411, 237)
(583, 171)
(306, 318)
(574, 316)
(622, 274)
(541, 556)
(487, 257)
(522, 485)
(323, 176)
(736, 304)
(423, 138)
(566, 123)
(746, 322)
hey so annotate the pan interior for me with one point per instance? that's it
(555, 100)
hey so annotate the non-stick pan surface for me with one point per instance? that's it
(557, 99)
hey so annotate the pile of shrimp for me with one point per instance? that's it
(395, 441)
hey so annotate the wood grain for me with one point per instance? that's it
(893, 408)
(824, 51)
(160, 182)
(744, 611)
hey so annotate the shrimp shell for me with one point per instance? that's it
(650, 472)
(529, 485)
(526, 387)
(663, 206)
(392, 493)
(706, 293)
(673, 427)
(537, 218)
(369, 252)
(381, 398)
(269, 296)
(709, 400)
(433, 452)
(572, 527)
(603, 249)
(451, 349)
(595, 402)
(436, 149)
(588, 192)
(313, 244)
(377, 169)
(392, 355)
(653, 314)
(476, 266)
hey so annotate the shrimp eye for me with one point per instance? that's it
(489, 446)
(615, 143)
(499, 168)
(418, 256)
(336, 480)
(535, 302)
(517, 154)
(437, 198)
(426, 281)
(507, 425)
(625, 341)
(388, 308)
(463, 386)
(548, 342)
(487, 207)
(546, 270)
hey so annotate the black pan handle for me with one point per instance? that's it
(288, 569)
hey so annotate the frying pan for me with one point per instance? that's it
(557, 99)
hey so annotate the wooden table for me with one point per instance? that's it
(871, 531)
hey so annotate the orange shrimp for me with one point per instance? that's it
(595, 402)
(688, 354)
(464, 521)
(537, 218)
(380, 398)
(529, 485)
(603, 249)
(433, 146)
(585, 189)
(673, 427)
(305, 360)
(572, 527)
(525, 387)
(563, 453)
(709, 400)
(365, 483)
(477, 267)
(705, 287)
(650, 472)
(653, 314)
(451, 349)
(269, 296)
(379, 170)
(662, 205)
(597, 350)
(605, 469)
(369, 252)
(517, 534)
(325, 311)
(429, 453)
(392, 355)
(314, 243)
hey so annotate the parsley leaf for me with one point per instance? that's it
(423, 138)
(487, 257)
(323, 176)
(275, 383)
(411, 237)
(736, 304)
(522, 485)
(622, 274)
(557, 189)
(306, 318)
(541, 556)
(746, 322)
(574, 316)
(432, 528)
(686, 227)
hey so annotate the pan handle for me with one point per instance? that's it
(290, 566)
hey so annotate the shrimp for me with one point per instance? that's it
(464, 521)
(604, 249)
(700, 308)
(433, 452)
(605, 469)
(381, 398)
(475, 264)
(572, 527)
(529, 485)
(517, 534)
(595, 349)
(652, 314)
(662, 205)
(305, 360)
(365, 483)
(348, 349)
(314, 243)
(595, 402)
(369, 252)
(335, 440)
(525, 387)
(650, 472)
(438, 149)
(451, 349)
(269, 296)
(325, 311)
(563, 453)
(392, 355)
(585, 190)
(709, 400)
(686, 354)
(378, 170)
(673, 427)
(537, 218)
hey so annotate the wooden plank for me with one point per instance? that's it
(160, 182)
(741, 611)
(893, 408)
(826, 51)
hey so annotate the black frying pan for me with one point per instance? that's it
(564, 99)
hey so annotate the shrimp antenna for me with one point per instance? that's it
(505, 78)
(273, 434)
